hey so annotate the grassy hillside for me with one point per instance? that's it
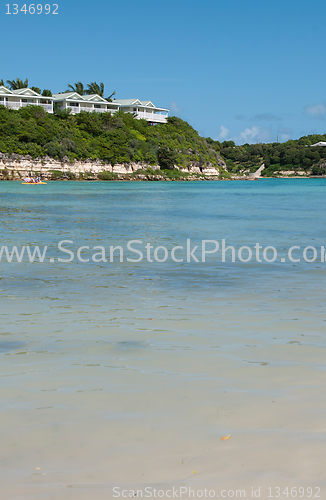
(291, 155)
(117, 138)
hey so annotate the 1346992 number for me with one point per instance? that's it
(32, 8)
(294, 492)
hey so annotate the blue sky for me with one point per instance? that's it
(243, 70)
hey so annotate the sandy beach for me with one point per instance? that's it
(127, 376)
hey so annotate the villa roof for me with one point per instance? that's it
(21, 92)
(68, 95)
(148, 103)
(94, 97)
(25, 91)
(137, 102)
(4, 90)
(127, 102)
(74, 96)
(321, 143)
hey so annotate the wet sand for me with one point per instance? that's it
(128, 375)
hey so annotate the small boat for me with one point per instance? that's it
(33, 183)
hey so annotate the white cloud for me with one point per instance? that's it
(174, 107)
(224, 132)
(316, 111)
(253, 134)
(249, 133)
(285, 134)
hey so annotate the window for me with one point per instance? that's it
(74, 104)
(97, 106)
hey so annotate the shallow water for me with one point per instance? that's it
(127, 374)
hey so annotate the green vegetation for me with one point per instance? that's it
(92, 88)
(166, 156)
(117, 138)
(17, 84)
(47, 93)
(20, 84)
(107, 176)
(56, 174)
(291, 155)
(5, 174)
(36, 89)
(77, 87)
(168, 173)
(174, 174)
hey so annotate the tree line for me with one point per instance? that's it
(78, 87)
(293, 155)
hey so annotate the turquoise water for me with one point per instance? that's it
(117, 373)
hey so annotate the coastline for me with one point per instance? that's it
(16, 167)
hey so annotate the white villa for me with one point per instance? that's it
(146, 110)
(143, 110)
(77, 103)
(20, 98)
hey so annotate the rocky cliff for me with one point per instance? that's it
(16, 167)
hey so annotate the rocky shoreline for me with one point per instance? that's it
(17, 167)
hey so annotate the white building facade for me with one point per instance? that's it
(15, 99)
(142, 110)
(77, 103)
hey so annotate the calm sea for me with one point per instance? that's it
(127, 374)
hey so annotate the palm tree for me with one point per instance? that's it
(2, 83)
(109, 98)
(95, 88)
(79, 88)
(36, 89)
(17, 84)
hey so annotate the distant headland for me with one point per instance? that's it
(81, 135)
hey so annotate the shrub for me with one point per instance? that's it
(107, 176)
(56, 174)
(70, 175)
(166, 157)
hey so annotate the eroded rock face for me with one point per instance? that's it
(17, 167)
(209, 171)
(194, 170)
(287, 172)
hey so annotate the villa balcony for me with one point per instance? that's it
(77, 109)
(152, 117)
(17, 105)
